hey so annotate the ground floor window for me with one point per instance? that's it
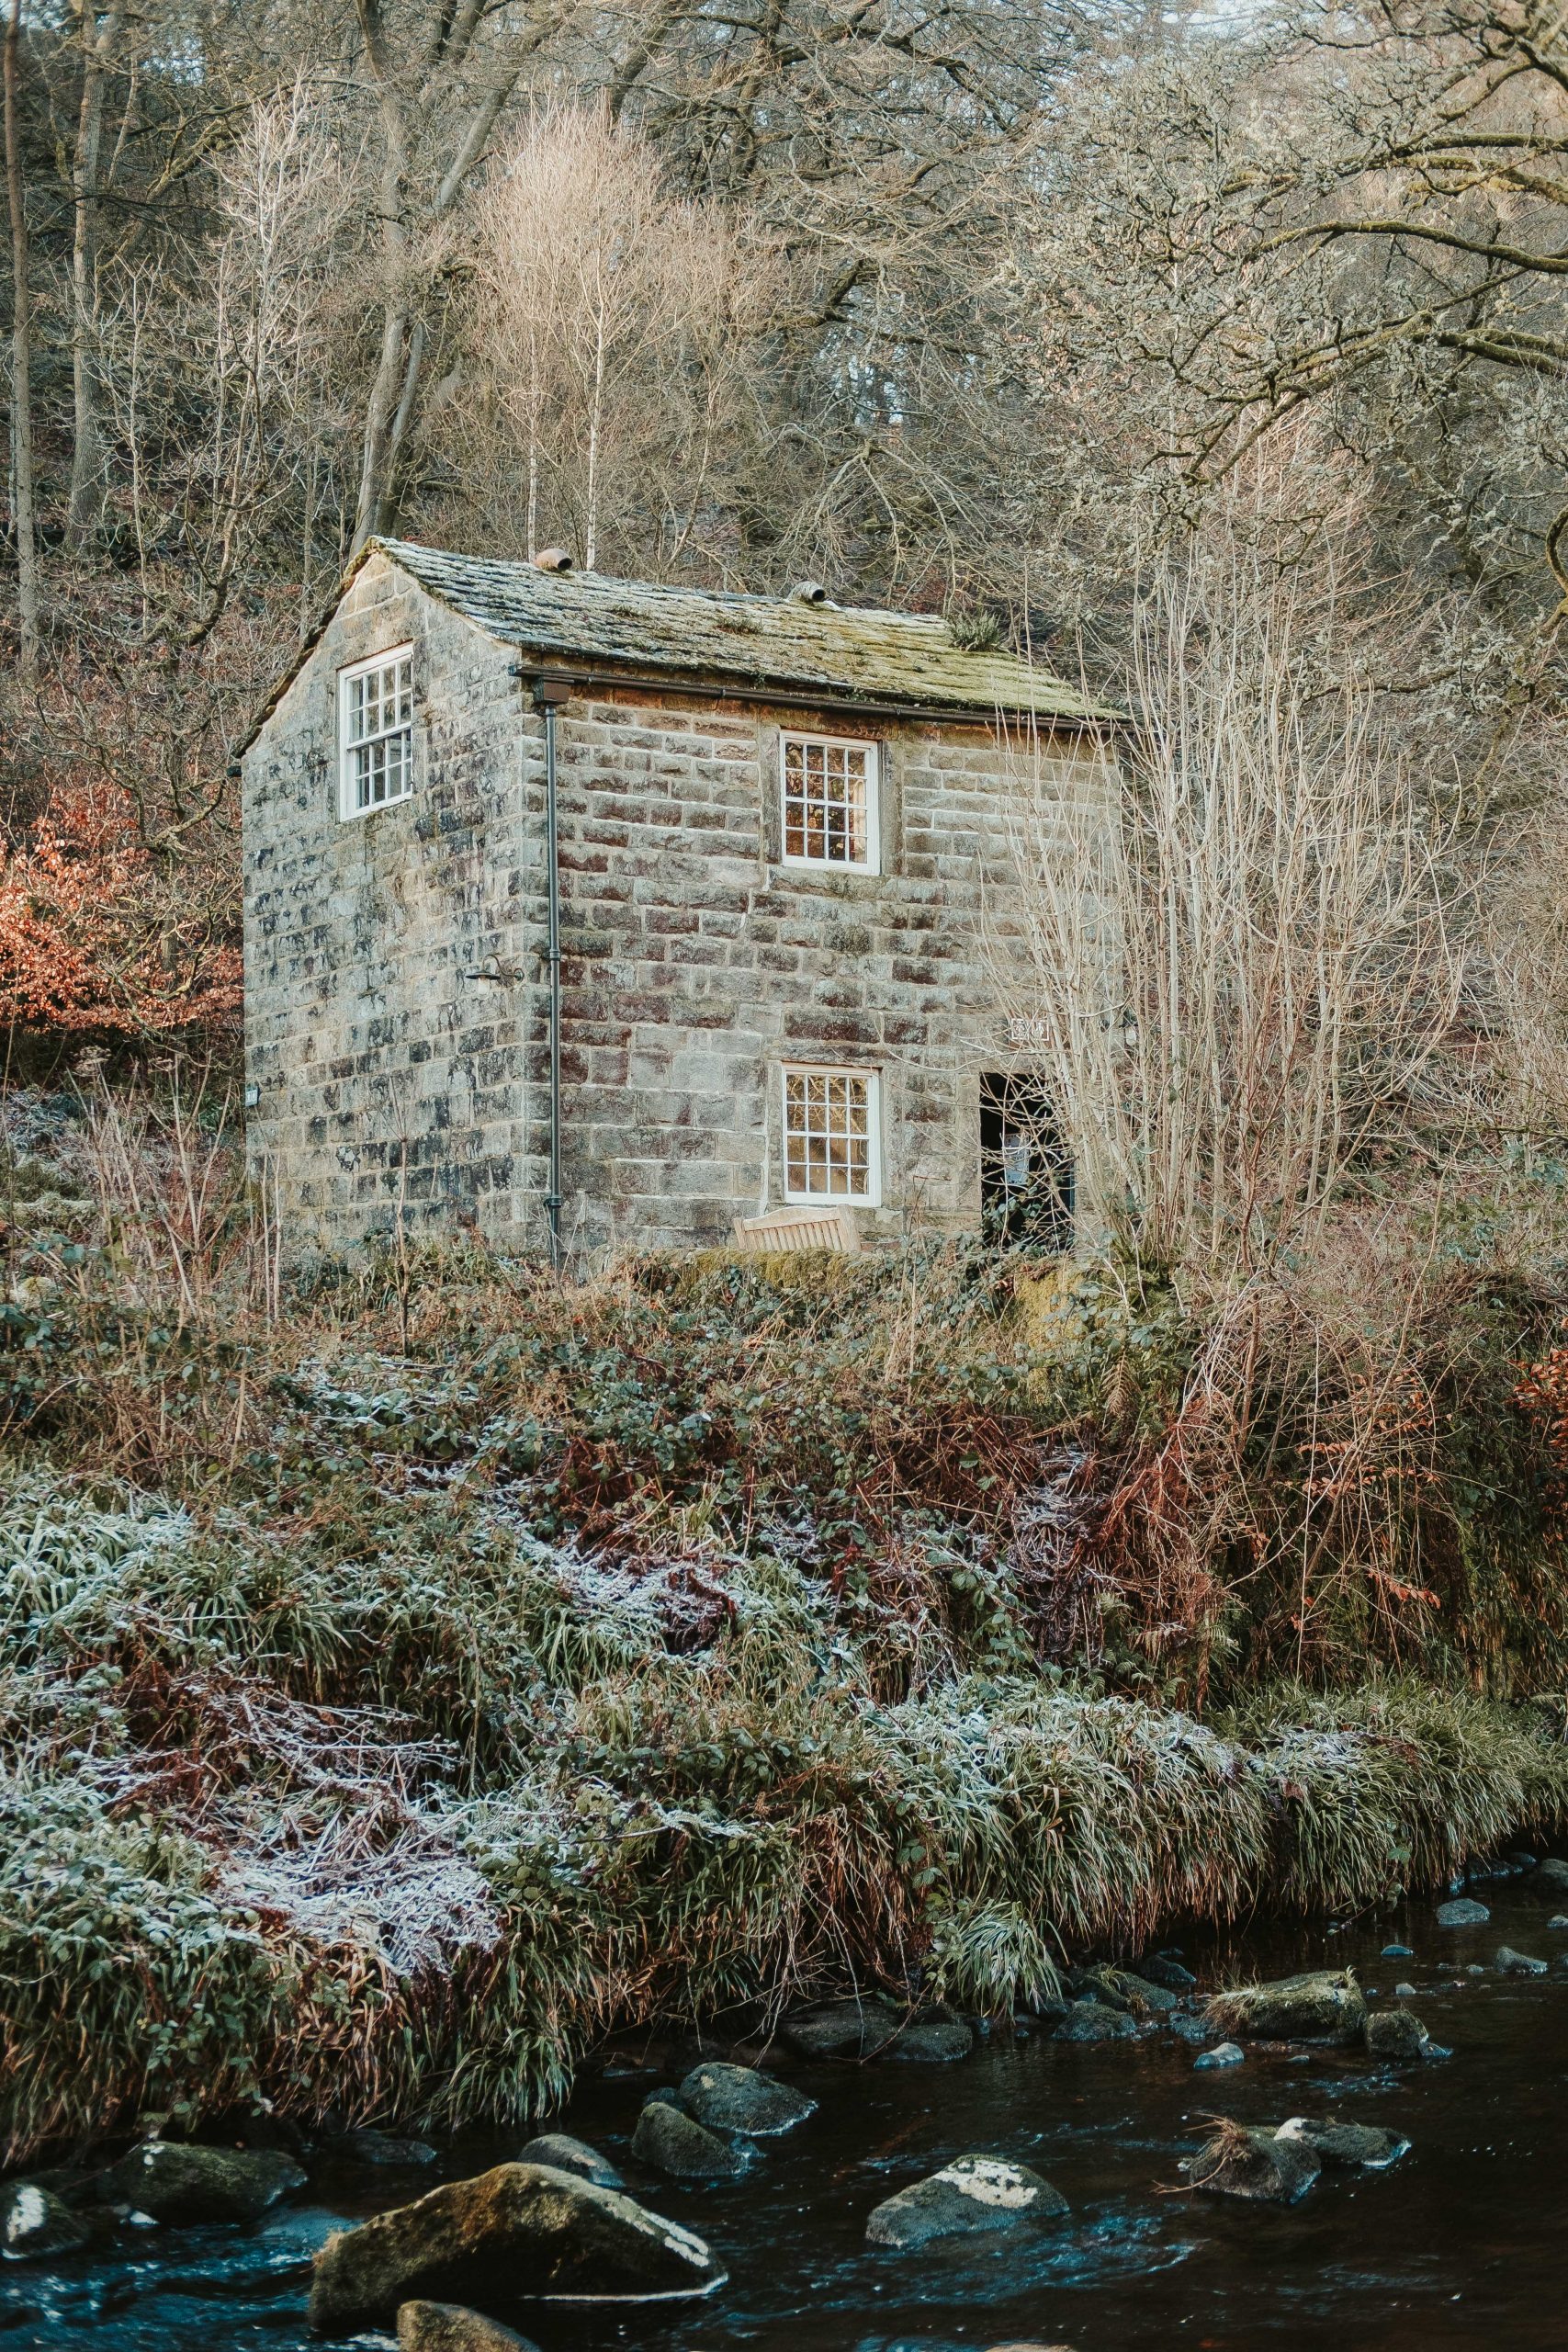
(832, 1139)
(1026, 1172)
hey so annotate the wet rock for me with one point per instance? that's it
(1092, 2021)
(1557, 1919)
(1195, 2027)
(174, 2182)
(842, 2030)
(673, 2141)
(933, 2041)
(381, 2148)
(1103, 1985)
(1224, 2053)
(1321, 2005)
(971, 2195)
(1252, 2161)
(739, 2098)
(1397, 1951)
(1366, 2145)
(1550, 1877)
(1148, 1999)
(1518, 1963)
(1171, 1974)
(1466, 1912)
(452, 2327)
(34, 2222)
(1404, 1992)
(567, 2155)
(1396, 2034)
(518, 2230)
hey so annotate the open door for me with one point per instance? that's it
(1026, 1175)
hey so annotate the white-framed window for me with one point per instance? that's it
(832, 1135)
(828, 787)
(375, 732)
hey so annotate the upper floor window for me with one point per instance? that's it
(833, 1146)
(376, 731)
(829, 802)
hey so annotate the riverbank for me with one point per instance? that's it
(411, 1671)
(223, 1895)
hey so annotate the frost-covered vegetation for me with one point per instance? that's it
(411, 1671)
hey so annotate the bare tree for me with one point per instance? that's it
(1244, 967)
(23, 486)
(615, 330)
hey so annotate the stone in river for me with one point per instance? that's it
(1092, 2021)
(972, 2195)
(1252, 2161)
(936, 2041)
(567, 2155)
(1397, 2034)
(452, 2327)
(1366, 2145)
(1404, 1992)
(1324, 2005)
(1518, 1963)
(673, 2141)
(517, 2231)
(1557, 1919)
(378, 2148)
(1162, 1970)
(34, 2223)
(175, 2182)
(1550, 1877)
(1224, 2053)
(1466, 1912)
(843, 2030)
(1397, 1951)
(739, 2098)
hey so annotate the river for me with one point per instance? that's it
(1459, 2246)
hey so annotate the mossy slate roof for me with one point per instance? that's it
(843, 651)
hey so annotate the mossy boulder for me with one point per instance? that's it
(517, 2233)
(855, 2028)
(35, 2224)
(1324, 2005)
(1093, 2021)
(739, 2098)
(452, 2327)
(567, 2155)
(1252, 2161)
(973, 2196)
(1366, 2145)
(933, 2040)
(673, 2141)
(176, 2182)
(1397, 2035)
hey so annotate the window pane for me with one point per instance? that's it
(826, 794)
(378, 734)
(827, 1133)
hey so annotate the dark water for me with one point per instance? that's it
(1463, 2243)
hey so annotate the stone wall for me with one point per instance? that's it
(390, 1079)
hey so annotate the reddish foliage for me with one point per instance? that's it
(94, 937)
(1543, 1395)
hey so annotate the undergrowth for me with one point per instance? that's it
(411, 1669)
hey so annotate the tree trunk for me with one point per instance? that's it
(21, 367)
(87, 448)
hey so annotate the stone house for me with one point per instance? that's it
(779, 835)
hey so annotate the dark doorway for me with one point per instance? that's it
(1026, 1174)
